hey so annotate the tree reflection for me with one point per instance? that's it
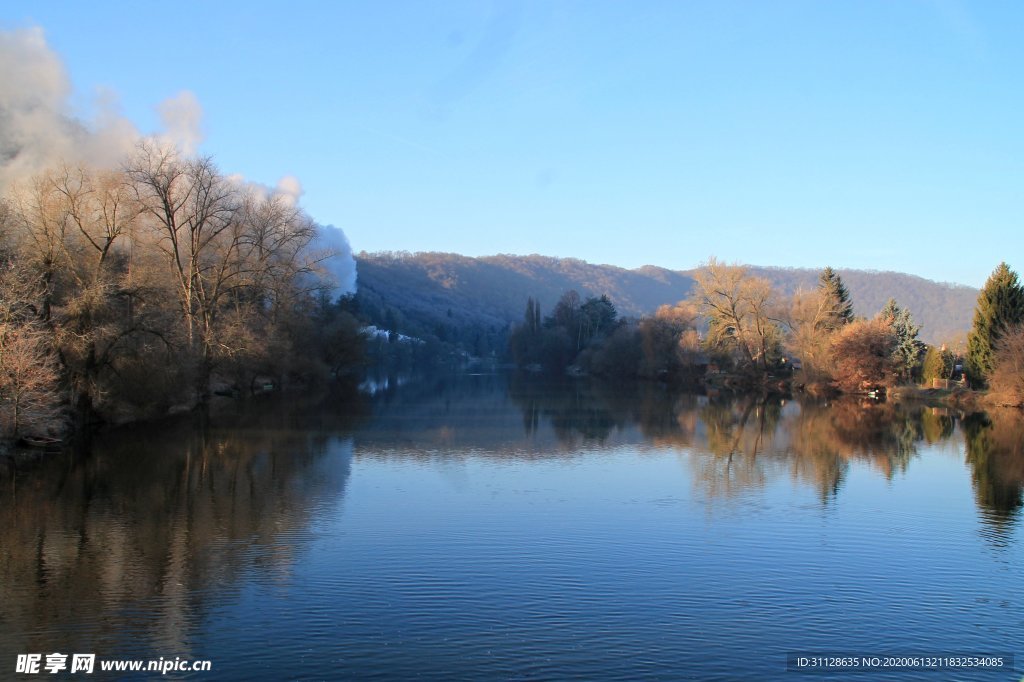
(578, 412)
(738, 442)
(152, 518)
(937, 424)
(995, 452)
(114, 551)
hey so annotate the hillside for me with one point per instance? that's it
(943, 310)
(428, 291)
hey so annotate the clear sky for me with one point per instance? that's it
(884, 135)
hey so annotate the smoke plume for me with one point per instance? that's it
(341, 264)
(38, 130)
(182, 116)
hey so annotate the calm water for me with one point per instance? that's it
(487, 528)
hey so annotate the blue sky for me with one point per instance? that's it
(882, 135)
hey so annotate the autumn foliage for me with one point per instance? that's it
(863, 355)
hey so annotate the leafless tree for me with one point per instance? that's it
(1007, 381)
(40, 222)
(810, 322)
(128, 289)
(29, 375)
(742, 311)
(194, 213)
(240, 258)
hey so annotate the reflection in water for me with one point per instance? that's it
(490, 514)
(578, 413)
(995, 451)
(153, 520)
(738, 441)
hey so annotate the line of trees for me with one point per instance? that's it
(737, 324)
(126, 292)
(755, 334)
(572, 326)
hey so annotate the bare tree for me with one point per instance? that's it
(101, 214)
(240, 258)
(194, 213)
(742, 312)
(29, 376)
(1007, 379)
(40, 222)
(126, 290)
(29, 380)
(810, 320)
(276, 243)
(277, 272)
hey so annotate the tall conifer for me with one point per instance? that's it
(1000, 306)
(529, 316)
(907, 352)
(840, 305)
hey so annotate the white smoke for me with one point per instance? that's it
(341, 265)
(182, 118)
(330, 241)
(290, 187)
(38, 130)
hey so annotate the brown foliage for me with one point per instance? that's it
(29, 374)
(29, 395)
(811, 333)
(863, 356)
(1007, 381)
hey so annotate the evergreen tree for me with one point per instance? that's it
(938, 364)
(524, 343)
(1000, 306)
(598, 317)
(531, 314)
(839, 303)
(907, 352)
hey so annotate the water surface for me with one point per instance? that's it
(495, 528)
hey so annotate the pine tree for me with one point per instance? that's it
(839, 303)
(1000, 306)
(907, 352)
(938, 364)
(530, 315)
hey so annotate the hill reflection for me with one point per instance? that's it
(154, 518)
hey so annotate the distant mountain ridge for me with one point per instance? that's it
(430, 289)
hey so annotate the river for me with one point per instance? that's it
(494, 527)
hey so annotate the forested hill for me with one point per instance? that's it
(428, 291)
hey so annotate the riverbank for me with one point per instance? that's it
(962, 399)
